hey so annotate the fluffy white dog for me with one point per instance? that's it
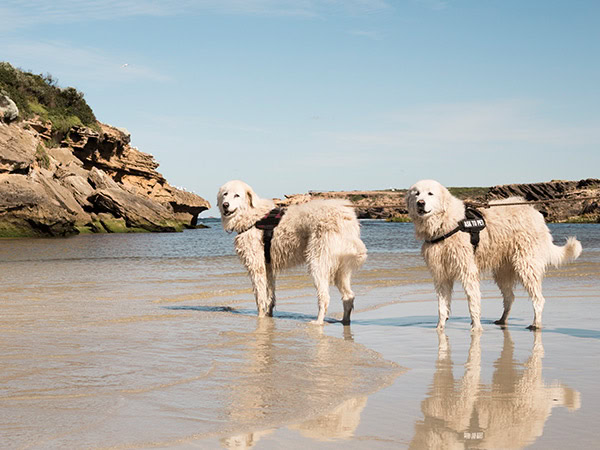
(516, 245)
(324, 234)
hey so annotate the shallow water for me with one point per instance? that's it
(152, 340)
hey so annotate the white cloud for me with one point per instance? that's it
(472, 125)
(20, 13)
(78, 62)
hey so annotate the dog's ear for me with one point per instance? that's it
(251, 196)
(446, 198)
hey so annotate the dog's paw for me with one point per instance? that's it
(317, 322)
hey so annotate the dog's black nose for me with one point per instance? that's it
(421, 203)
(225, 205)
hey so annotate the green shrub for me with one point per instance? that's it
(40, 94)
(62, 124)
(468, 192)
(41, 156)
(38, 109)
(401, 219)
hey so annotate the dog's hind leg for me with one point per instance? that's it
(470, 283)
(443, 289)
(320, 272)
(532, 281)
(505, 279)
(342, 282)
(270, 291)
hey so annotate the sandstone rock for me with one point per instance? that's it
(138, 212)
(561, 196)
(186, 206)
(368, 204)
(93, 182)
(99, 180)
(80, 189)
(17, 149)
(27, 209)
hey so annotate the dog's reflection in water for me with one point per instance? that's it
(341, 423)
(508, 413)
(283, 381)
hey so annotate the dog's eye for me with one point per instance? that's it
(417, 192)
(236, 195)
(430, 193)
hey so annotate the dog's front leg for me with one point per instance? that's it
(470, 283)
(443, 289)
(259, 286)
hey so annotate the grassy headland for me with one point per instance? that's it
(40, 95)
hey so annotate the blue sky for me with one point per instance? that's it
(301, 95)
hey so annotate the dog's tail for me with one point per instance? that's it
(567, 253)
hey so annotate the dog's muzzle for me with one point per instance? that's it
(421, 208)
(225, 209)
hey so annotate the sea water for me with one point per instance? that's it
(139, 340)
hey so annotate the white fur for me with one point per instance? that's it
(516, 245)
(324, 234)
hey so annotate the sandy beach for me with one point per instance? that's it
(146, 348)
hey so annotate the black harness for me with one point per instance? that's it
(473, 223)
(268, 224)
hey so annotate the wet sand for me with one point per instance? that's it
(163, 358)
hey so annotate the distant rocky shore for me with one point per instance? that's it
(84, 181)
(558, 201)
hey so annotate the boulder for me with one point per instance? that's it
(8, 109)
(138, 212)
(17, 149)
(27, 208)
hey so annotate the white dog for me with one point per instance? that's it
(324, 234)
(515, 245)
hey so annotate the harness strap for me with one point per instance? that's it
(445, 236)
(473, 223)
(268, 224)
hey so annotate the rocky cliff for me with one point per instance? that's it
(84, 180)
(558, 201)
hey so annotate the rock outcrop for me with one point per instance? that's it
(54, 184)
(369, 204)
(558, 201)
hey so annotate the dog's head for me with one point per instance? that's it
(426, 198)
(235, 196)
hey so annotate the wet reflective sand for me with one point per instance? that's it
(138, 342)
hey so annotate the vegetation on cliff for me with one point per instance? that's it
(40, 95)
